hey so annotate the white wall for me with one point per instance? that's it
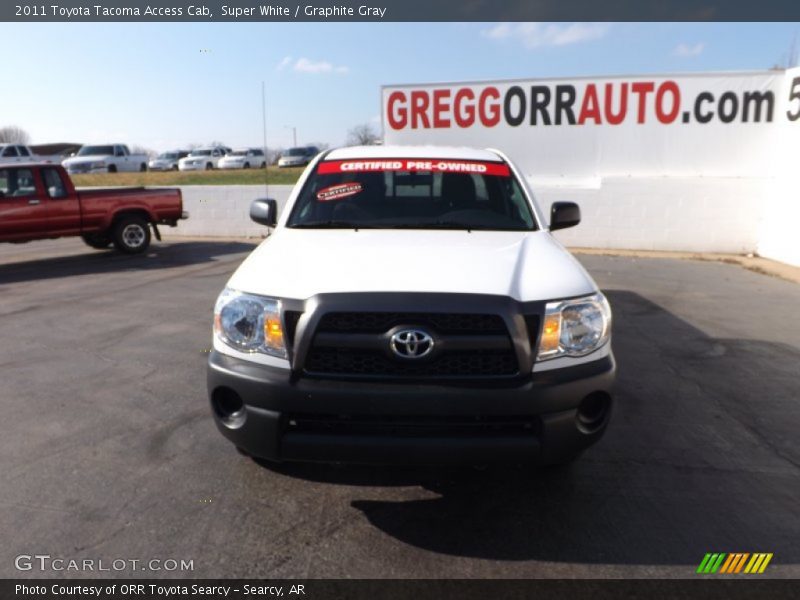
(779, 230)
(693, 214)
(224, 210)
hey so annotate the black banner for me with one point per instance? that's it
(407, 10)
(317, 589)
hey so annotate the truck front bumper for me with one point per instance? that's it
(548, 417)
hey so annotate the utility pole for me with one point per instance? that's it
(294, 134)
(264, 124)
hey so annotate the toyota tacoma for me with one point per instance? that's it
(411, 306)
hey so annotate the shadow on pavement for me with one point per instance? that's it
(159, 256)
(701, 456)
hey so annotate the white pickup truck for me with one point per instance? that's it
(111, 158)
(16, 153)
(412, 306)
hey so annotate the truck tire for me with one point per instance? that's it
(246, 165)
(143, 167)
(131, 234)
(209, 166)
(99, 241)
(112, 168)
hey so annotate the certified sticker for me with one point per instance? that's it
(339, 191)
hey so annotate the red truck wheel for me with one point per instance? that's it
(131, 234)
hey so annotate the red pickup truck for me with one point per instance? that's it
(38, 201)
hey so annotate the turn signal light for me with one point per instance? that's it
(273, 332)
(551, 333)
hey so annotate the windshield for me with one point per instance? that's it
(168, 155)
(94, 150)
(200, 153)
(412, 194)
(296, 152)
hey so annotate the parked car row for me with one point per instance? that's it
(113, 158)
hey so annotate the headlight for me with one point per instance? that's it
(575, 327)
(249, 323)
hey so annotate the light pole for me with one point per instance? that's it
(294, 134)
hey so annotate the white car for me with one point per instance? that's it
(167, 161)
(412, 306)
(243, 159)
(297, 157)
(203, 159)
(16, 153)
(110, 158)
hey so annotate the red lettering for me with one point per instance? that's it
(642, 88)
(440, 105)
(397, 117)
(611, 118)
(420, 101)
(467, 117)
(590, 107)
(672, 87)
(489, 113)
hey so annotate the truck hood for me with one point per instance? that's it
(300, 263)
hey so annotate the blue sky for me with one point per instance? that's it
(166, 85)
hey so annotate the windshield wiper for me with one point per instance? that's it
(331, 225)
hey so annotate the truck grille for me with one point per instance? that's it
(452, 364)
(380, 322)
(356, 345)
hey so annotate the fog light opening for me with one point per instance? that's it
(593, 412)
(228, 406)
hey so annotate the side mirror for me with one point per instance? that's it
(564, 214)
(264, 211)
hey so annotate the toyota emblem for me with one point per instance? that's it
(411, 343)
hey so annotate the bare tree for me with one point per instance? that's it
(362, 135)
(11, 134)
(143, 150)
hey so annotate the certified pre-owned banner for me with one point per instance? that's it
(715, 124)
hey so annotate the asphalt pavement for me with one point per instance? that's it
(108, 450)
